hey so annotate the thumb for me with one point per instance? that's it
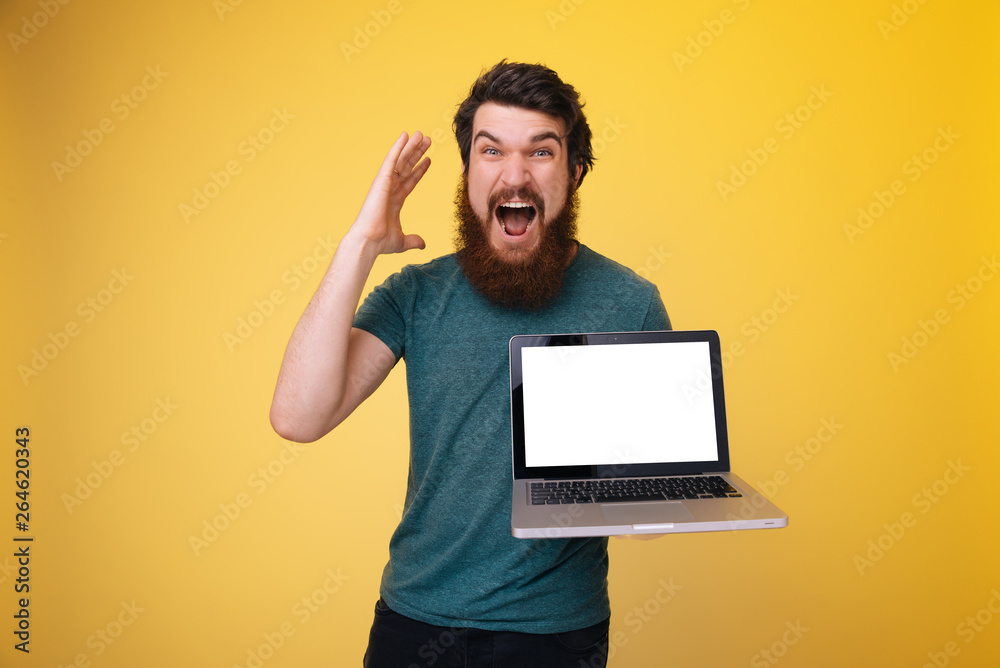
(411, 241)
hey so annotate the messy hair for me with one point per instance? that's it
(533, 87)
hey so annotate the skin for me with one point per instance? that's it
(515, 148)
(330, 367)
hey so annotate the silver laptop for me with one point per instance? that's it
(624, 433)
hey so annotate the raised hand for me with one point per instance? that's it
(313, 395)
(378, 222)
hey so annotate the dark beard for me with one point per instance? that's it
(527, 283)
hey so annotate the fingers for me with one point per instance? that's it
(640, 536)
(400, 172)
(406, 167)
(389, 164)
(421, 169)
(411, 241)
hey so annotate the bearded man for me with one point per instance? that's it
(458, 588)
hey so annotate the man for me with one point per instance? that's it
(458, 588)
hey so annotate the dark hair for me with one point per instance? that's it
(533, 87)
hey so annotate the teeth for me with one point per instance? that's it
(504, 225)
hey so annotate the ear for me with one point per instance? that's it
(576, 174)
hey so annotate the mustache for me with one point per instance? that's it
(525, 281)
(524, 193)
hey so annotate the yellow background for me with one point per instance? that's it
(894, 76)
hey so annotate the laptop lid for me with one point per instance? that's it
(633, 404)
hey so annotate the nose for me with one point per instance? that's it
(515, 171)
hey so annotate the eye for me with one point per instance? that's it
(489, 150)
(544, 152)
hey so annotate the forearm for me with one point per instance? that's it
(312, 382)
(313, 393)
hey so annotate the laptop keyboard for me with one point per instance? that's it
(611, 490)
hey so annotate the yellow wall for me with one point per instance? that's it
(738, 141)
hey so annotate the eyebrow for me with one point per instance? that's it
(546, 135)
(534, 140)
(484, 133)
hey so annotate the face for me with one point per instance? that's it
(518, 177)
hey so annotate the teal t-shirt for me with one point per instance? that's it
(452, 559)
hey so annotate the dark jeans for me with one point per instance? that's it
(400, 642)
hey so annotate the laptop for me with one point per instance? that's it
(624, 433)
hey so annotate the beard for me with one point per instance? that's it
(516, 279)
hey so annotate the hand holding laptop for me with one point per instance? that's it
(624, 433)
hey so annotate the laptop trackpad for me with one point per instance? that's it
(646, 513)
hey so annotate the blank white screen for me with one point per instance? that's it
(618, 404)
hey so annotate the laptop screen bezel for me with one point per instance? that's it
(610, 469)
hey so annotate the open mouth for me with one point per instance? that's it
(516, 218)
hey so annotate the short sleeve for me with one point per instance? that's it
(381, 314)
(656, 316)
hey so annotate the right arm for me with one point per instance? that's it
(330, 367)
